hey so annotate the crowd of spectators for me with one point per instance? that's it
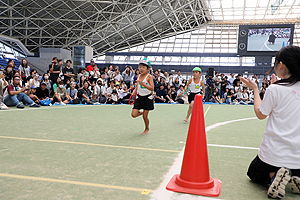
(108, 85)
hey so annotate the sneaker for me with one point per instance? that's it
(295, 184)
(34, 105)
(3, 107)
(62, 104)
(278, 183)
(20, 106)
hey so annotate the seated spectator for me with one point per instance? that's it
(94, 96)
(47, 81)
(118, 77)
(110, 89)
(15, 93)
(127, 75)
(161, 95)
(42, 92)
(85, 94)
(72, 94)
(233, 97)
(101, 91)
(172, 93)
(103, 79)
(238, 93)
(94, 74)
(68, 71)
(60, 94)
(245, 96)
(217, 91)
(32, 94)
(9, 72)
(114, 98)
(182, 96)
(251, 97)
(3, 84)
(227, 95)
(177, 84)
(262, 93)
(124, 94)
(55, 85)
(163, 82)
(214, 97)
(34, 81)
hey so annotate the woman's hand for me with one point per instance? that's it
(249, 83)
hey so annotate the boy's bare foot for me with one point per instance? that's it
(145, 131)
(185, 119)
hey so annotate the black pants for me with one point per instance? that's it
(259, 171)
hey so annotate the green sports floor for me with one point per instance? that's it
(98, 152)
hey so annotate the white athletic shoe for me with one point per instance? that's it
(62, 104)
(3, 107)
(295, 184)
(278, 183)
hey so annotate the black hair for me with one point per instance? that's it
(70, 61)
(290, 56)
(145, 65)
(15, 77)
(59, 60)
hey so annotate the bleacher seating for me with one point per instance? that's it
(3, 63)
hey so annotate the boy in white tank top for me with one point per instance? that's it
(144, 90)
(195, 84)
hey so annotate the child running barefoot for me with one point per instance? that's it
(195, 84)
(278, 159)
(144, 89)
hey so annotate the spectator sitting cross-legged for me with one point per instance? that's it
(84, 93)
(173, 94)
(32, 94)
(114, 98)
(182, 96)
(60, 94)
(15, 93)
(72, 93)
(42, 92)
(161, 95)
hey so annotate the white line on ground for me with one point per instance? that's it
(267, 45)
(163, 194)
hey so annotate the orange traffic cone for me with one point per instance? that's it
(194, 177)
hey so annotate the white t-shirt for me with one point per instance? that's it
(122, 94)
(109, 90)
(280, 146)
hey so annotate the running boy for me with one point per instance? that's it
(144, 99)
(278, 158)
(195, 84)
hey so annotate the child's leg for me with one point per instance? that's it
(189, 111)
(146, 121)
(135, 113)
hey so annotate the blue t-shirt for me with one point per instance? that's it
(72, 92)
